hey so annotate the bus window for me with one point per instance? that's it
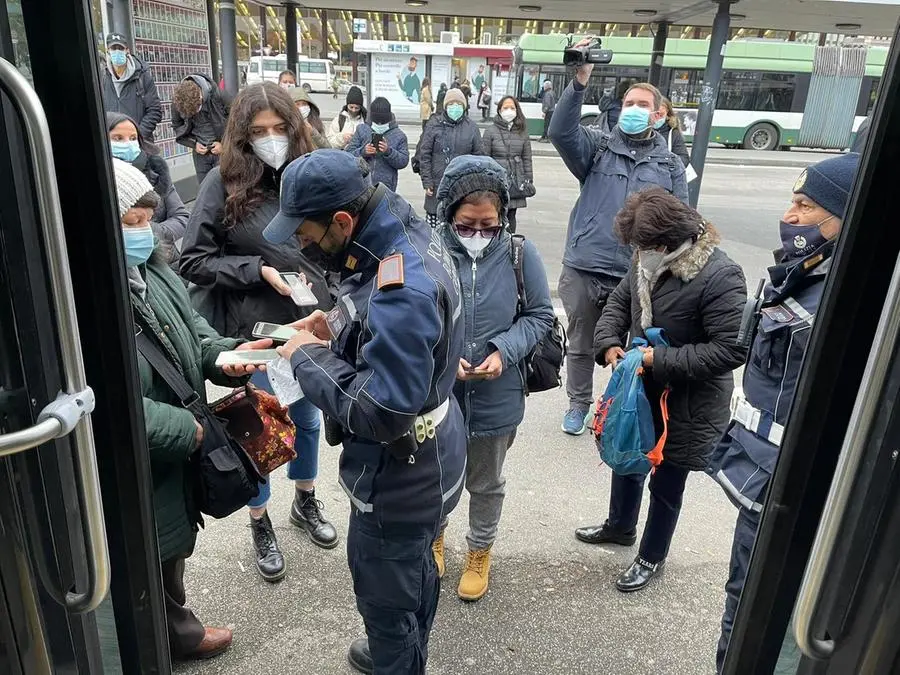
(303, 67)
(317, 67)
(531, 84)
(685, 88)
(274, 65)
(254, 67)
(873, 95)
(756, 90)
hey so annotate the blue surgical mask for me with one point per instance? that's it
(139, 244)
(118, 57)
(634, 120)
(659, 124)
(455, 111)
(127, 151)
(381, 128)
(798, 241)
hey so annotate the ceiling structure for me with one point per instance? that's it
(875, 17)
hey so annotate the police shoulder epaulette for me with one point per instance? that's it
(390, 272)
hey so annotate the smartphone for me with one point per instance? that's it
(376, 139)
(251, 357)
(301, 294)
(277, 332)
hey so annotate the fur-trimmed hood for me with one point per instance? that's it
(685, 266)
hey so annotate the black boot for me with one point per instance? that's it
(360, 657)
(604, 534)
(638, 575)
(306, 513)
(269, 561)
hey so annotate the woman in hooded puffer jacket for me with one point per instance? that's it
(171, 216)
(681, 282)
(309, 111)
(342, 127)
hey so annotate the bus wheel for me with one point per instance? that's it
(762, 136)
(589, 120)
(306, 87)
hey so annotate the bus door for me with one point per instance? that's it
(80, 585)
(823, 590)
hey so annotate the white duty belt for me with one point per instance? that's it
(749, 417)
(427, 423)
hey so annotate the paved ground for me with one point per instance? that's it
(552, 608)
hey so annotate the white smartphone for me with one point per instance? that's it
(250, 357)
(276, 332)
(301, 294)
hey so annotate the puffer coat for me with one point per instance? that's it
(442, 141)
(512, 150)
(189, 341)
(698, 303)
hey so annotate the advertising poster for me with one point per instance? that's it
(440, 73)
(398, 77)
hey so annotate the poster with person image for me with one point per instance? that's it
(398, 77)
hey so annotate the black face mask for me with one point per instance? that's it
(330, 262)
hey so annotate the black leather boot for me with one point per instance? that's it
(360, 657)
(604, 534)
(638, 575)
(269, 560)
(306, 513)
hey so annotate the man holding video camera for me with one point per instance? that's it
(610, 166)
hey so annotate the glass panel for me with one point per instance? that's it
(754, 90)
(684, 90)
(873, 95)
(20, 54)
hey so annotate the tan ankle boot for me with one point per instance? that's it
(437, 549)
(474, 582)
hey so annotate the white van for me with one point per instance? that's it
(312, 74)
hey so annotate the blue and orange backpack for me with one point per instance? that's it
(623, 422)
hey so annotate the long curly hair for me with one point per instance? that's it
(242, 171)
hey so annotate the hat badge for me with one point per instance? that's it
(801, 181)
(800, 241)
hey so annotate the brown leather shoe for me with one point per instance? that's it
(215, 641)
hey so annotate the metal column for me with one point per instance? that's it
(659, 50)
(290, 28)
(213, 39)
(120, 19)
(228, 37)
(325, 33)
(708, 96)
(263, 30)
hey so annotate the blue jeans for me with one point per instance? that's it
(305, 417)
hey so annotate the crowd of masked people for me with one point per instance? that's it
(637, 258)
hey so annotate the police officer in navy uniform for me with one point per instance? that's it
(745, 458)
(381, 366)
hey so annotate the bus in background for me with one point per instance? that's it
(312, 74)
(772, 94)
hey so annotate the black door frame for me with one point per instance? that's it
(66, 78)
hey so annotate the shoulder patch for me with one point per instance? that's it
(390, 272)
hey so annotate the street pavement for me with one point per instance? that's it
(552, 608)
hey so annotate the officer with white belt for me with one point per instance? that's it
(745, 458)
(381, 366)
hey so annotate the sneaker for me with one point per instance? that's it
(474, 582)
(574, 422)
(437, 550)
(306, 513)
(269, 560)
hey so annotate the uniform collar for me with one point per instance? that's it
(372, 240)
(787, 274)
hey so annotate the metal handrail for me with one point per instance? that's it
(37, 131)
(33, 436)
(856, 444)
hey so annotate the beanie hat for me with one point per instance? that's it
(355, 96)
(467, 174)
(380, 111)
(454, 96)
(131, 185)
(828, 182)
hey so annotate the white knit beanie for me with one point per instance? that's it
(131, 185)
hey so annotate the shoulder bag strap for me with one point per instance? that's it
(189, 398)
(518, 263)
(671, 133)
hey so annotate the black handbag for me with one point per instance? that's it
(223, 476)
(519, 186)
(542, 367)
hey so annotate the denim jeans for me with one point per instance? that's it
(305, 417)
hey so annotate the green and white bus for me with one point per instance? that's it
(772, 94)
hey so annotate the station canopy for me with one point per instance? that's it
(875, 18)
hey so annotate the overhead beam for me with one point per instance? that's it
(679, 15)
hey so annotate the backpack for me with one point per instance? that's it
(623, 422)
(541, 368)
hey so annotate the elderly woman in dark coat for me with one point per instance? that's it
(681, 282)
(171, 216)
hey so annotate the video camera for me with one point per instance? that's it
(592, 53)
